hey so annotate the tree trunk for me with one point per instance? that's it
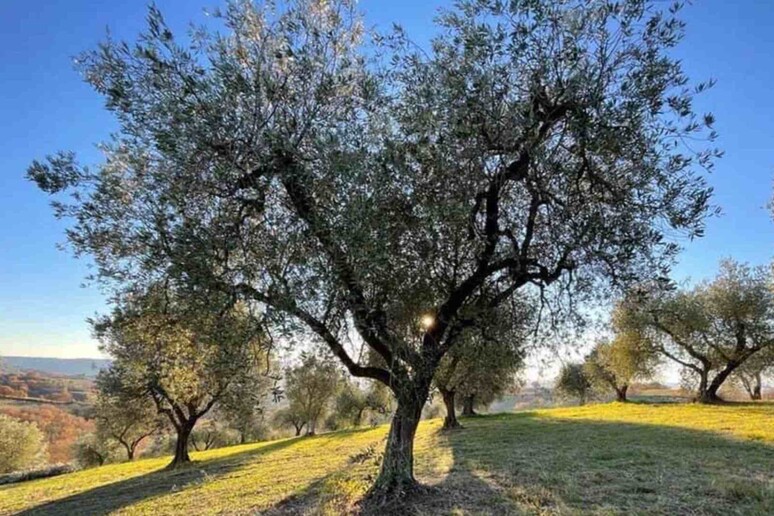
(396, 476)
(620, 393)
(181, 457)
(450, 421)
(468, 404)
(130, 453)
(756, 393)
(710, 394)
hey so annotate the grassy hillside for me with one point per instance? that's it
(603, 459)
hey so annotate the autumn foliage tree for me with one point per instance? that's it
(353, 185)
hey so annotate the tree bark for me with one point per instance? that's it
(756, 393)
(620, 393)
(710, 393)
(181, 457)
(468, 404)
(396, 476)
(450, 421)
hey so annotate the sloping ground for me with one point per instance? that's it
(602, 459)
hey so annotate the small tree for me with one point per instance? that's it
(95, 449)
(292, 415)
(124, 418)
(311, 386)
(213, 434)
(22, 445)
(354, 402)
(181, 356)
(751, 373)
(243, 405)
(484, 364)
(616, 364)
(573, 382)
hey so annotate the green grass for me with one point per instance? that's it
(600, 459)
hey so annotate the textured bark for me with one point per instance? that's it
(468, 404)
(396, 477)
(620, 393)
(181, 457)
(450, 421)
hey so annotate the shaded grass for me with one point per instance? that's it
(601, 459)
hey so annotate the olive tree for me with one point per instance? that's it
(182, 358)
(292, 415)
(356, 185)
(751, 373)
(710, 330)
(311, 387)
(615, 364)
(484, 364)
(354, 402)
(573, 382)
(126, 419)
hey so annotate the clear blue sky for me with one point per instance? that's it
(45, 107)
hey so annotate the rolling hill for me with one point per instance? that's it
(64, 366)
(599, 459)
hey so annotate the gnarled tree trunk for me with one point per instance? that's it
(620, 393)
(450, 421)
(468, 405)
(396, 476)
(181, 457)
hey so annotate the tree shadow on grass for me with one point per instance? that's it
(117, 495)
(533, 464)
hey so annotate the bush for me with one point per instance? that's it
(22, 445)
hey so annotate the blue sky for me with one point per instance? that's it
(45, 107)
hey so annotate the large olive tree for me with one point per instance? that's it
(356, 185)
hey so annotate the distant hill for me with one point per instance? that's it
(65, 366)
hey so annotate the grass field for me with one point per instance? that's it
(600, 459)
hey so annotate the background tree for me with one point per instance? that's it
(751, 373)
(124, 418)
(292, 415)
(615, 364)
(311, 386)
(22, 445)
(353, 402)
(572, 382)
(243, 405)
(95, 449)
(60, 428)
(180, 356)
(710, 330)
(485, 363)
(533, 145)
